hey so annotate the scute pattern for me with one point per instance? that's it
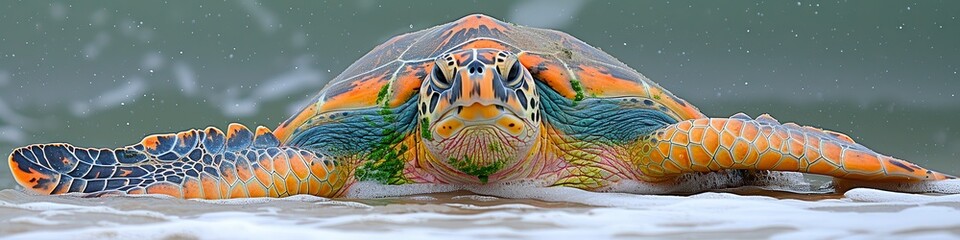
(564, 58)
(189, 164)
(707, 145)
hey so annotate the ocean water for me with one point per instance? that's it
(107, 73)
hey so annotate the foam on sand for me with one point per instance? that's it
(862, 214)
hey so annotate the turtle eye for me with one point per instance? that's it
(513, 76)
(439, 78)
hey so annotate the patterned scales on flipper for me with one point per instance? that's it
(190, 164)
(739, 142)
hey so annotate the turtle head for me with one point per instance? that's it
(479, 111)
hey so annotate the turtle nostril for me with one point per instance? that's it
(475, 68)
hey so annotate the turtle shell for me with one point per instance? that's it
(391, 73)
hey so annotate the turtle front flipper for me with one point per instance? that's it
(739, 142)
(190, 164)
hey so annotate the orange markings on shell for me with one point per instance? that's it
(362, 93)
(484, 43)
(408, 82)
(467, 23)
(597, 80)
(285, 129)
(549, 72)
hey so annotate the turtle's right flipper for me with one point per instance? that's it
(190, 164)
(739, 142)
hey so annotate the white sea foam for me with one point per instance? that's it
(864, 214)
(477, 198)
(950, 186)
(48, 209)
(34, 221)
(494, 207)
(873, 195)
(224, 229)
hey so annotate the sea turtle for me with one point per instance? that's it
(472, 102)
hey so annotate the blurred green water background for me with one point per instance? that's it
(106, 73)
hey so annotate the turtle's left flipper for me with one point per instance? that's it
(190, 164)
(739, 142)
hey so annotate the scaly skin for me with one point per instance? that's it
(707, 145)
(475, 101)
(190, 164)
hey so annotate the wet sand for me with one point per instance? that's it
(748, 212)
